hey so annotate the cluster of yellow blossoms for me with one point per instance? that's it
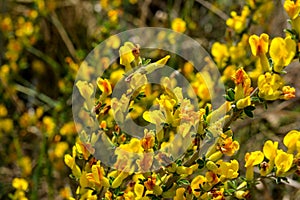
(194, 174)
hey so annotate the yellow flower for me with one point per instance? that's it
(238, 52)
(119, 179)
(178, 25)
(242, 194)
(242, 84)
(252, 159)
(70, 162)
(149, 139)
(288, 92)
(97, 176)
(228, 170)
(3, 110)
(195, 184)
(138, 190)
(20, 184)
(228, 73)
(270, 149)
(242, 103)
(66, 193)
(26, 165)
(6, 24)
(180, 194)
(292, 8)
(220, 53)
(259, 45)
(6, 125)
(85, 89)
(283, 162)
(49, 125)
(60, 149)
(269, 86)
(228, 146)
(270, 152)
(291, 139)
(104, 86)
(282, 52)
(236, 22)
(113, 16)
(296, 25)
(129, 53)
(68, 128)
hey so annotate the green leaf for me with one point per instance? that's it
(250, 108)
(231, 94)
(201, 163)
(249, 113)
(183, 182)
(146, 61)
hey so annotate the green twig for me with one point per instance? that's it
(44, 57)
(31, 92)
(213, 9)
(63, 34)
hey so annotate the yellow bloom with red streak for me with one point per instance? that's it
(292, 8)
(97, 176)
(242, 84)
(288, 92)
(259, 45)
(259, 48)
(104, 86)
(227, 146)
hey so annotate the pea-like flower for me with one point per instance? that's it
(291, 139)
(283, 162)
(292, 8)
(270, 86)
(97, 176)
(270, 152)
(282, 52)
(242, 84)
(259, 48)
(228, 170)
(129, 53)
(252, 159)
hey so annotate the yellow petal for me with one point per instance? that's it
(270, 149)
(290, 140)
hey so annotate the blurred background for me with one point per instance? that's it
(42, 44)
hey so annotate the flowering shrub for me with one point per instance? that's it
(187, 150)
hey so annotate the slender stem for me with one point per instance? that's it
(213, 9)
(63, 34)
(38, 170)
(44, 57)
(31, 92)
